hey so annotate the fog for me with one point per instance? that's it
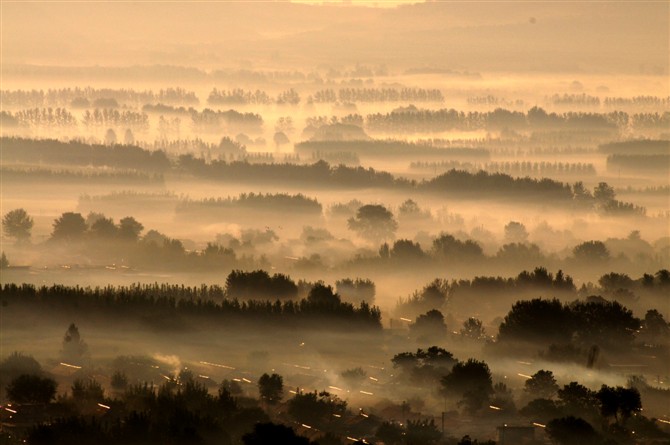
(303, 222)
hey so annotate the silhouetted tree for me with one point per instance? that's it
(390, 433)
(515, 232)
(619, 402)
(541, 385)
(578, 400)
(28, 388)
(110, 137)
(572, 431)
(271, 387)
(541, 410)
(69, 226)
(591, 251)
(422, 432)
(373, 222)
(429, 326)
(472, 329)
(313, 408)
(74, 347)
(17, 224)
(130, 229)
(471, 382)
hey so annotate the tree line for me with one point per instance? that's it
(511, 168)
(66, 96)
(322, 307)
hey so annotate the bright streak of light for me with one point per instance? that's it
(335, 388)
(524, 363)
(166, 377)
(353, 439)
(216, 364)
(203, 376)
(103, 406)
(337, 415)
(364, 415)
(525, 376)
(246, 380)
(406, 319)
(237, 380)
(293, 392)
(373, 379)
(10, 410)
(497, 408)
(539, 424)
(306, 426)
(70, 366)
(660, 420)
(366, 393)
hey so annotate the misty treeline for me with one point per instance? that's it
(90, 97)
(353, 95)
(390, 148)
(491, 294)
(414, 120)
(206, 121)
(405, 119)
(87, 175)
(587, 100)
(172, 307)
(279, 202)
(319, 174)
(516, 168)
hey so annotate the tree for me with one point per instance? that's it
(17, 364)
(654, 326)
(312, 408)
(591, 251)
(422, 432)
(603, 193)
(406, 250)
(267, 433)
(119, 381)
(471, 382)
(74, 348)
(104, 228)
(280, 138)
(390, 433)
(515, 232)
(472, 329)
(447, 247)
(619, 402)
(69, 226)
(130, 228)
(541, 410)
(4, 262)
(541, 385)
(373, 222)
(571, 431)
(271, 387)
(28, 388)
(537, 321)
(17, 224)
(578, 400)
(110, 137)
(89, 390)
(128, 137)
(430, 325)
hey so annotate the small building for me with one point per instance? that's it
(515, 435)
